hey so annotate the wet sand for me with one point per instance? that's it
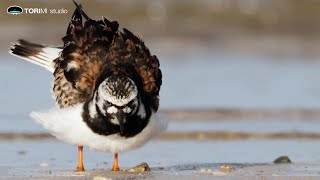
(168, 160)
(243, 171)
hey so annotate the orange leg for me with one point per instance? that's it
(80, 167)
(115, 163)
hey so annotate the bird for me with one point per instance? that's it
(106, 86)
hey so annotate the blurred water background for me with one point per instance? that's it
(214, 54)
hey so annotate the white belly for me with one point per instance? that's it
(67, 125)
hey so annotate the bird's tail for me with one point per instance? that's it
(35, 53)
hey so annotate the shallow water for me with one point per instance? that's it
(189, 81)
(249, 126)
(197, 81)
(245, 82)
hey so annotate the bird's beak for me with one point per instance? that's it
(120, 117)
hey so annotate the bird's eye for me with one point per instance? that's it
(130, 103)
(108, 103)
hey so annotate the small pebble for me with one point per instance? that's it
(22, 152)
(210, 171)
(44, 164)
(205, 170)
(143, 167)
(226, 168)
(282, 159)
(101, 178)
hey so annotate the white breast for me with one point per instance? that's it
(67, 125)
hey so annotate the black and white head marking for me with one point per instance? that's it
(118, 91)
(113, 96)
(117, 107)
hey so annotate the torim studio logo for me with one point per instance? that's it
(15, 10)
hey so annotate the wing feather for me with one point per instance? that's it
(96, 49)
(35, 53)
(85, 46)
(129, 49)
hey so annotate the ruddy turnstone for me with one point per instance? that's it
(106, 85)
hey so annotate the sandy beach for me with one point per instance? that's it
(251, 159)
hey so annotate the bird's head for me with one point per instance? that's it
(117, 97)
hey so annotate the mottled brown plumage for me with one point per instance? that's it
(91, 48)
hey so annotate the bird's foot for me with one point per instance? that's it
(79, 169)
(115, 169)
